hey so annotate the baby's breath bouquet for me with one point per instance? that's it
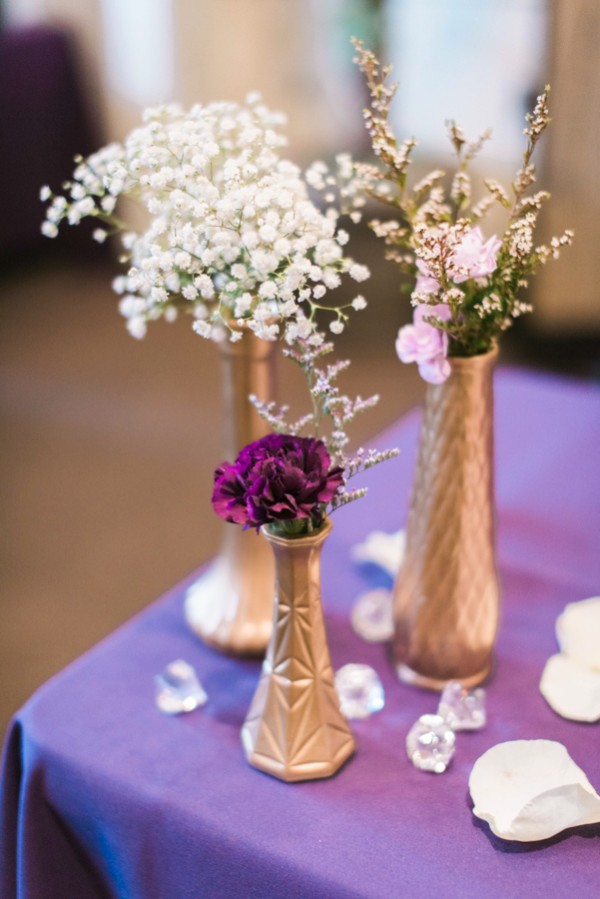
(465, 285)
(232, 237)
(229, 235)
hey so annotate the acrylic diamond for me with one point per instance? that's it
(178, 689)
(371, 616)
(359, 690)
(463, 709)
(430, 744)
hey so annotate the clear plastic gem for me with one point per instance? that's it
(360, 691)
(371, 616)
(462, 708)
(430, 744)
(178, 689)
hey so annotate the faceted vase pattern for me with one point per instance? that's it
(231, 606)
(446, 598)
(294, 729)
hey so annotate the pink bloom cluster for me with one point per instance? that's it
(472, 257)
(425, 344)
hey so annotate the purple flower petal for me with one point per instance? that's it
(280, 477)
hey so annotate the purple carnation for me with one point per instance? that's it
(279, 478)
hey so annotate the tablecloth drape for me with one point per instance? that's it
(102, 795)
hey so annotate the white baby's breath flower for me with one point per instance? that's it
(49, 229)
(359, 272)
(136, 325)
(202, 327)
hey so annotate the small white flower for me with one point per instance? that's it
(336, 326)
(45, 193)
(332, 280)
(108, 204)
(359, 272)
(359, 303)
(99, 235)
(267, 332)
(137, 327)
(202, 328)
(49, 229)
(182, 259)
(268, 290)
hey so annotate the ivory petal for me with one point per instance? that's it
(578, 631)
(571, 689)
(530, 790)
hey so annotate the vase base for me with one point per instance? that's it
(291, 773)
(409, 676)
(216, 612)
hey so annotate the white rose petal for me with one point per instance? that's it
(531, 790)
(571, 689)
(578, 631)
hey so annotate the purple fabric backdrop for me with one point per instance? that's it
(44, 121)
(104, 796)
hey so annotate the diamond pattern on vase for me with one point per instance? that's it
(446, 596)
(294, 729)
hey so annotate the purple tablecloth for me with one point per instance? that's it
(102, 795)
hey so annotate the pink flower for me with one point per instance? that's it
(472, 258)
(425, 344)
(436, 370)
(426, 283)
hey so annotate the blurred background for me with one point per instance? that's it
(108, 444)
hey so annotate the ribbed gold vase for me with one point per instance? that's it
(294, 729)
(446, 598)
(231, 606)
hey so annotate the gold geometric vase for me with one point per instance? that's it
(446, 597)
(230, 607)
(294, 729)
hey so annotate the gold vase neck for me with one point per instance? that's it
(472, 363)
(296, 544)
(250, 346)
(248, 368)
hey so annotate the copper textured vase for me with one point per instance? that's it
(294, 729)
(231, 606)
(446, 598)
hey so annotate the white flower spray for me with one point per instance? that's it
(233, 236)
